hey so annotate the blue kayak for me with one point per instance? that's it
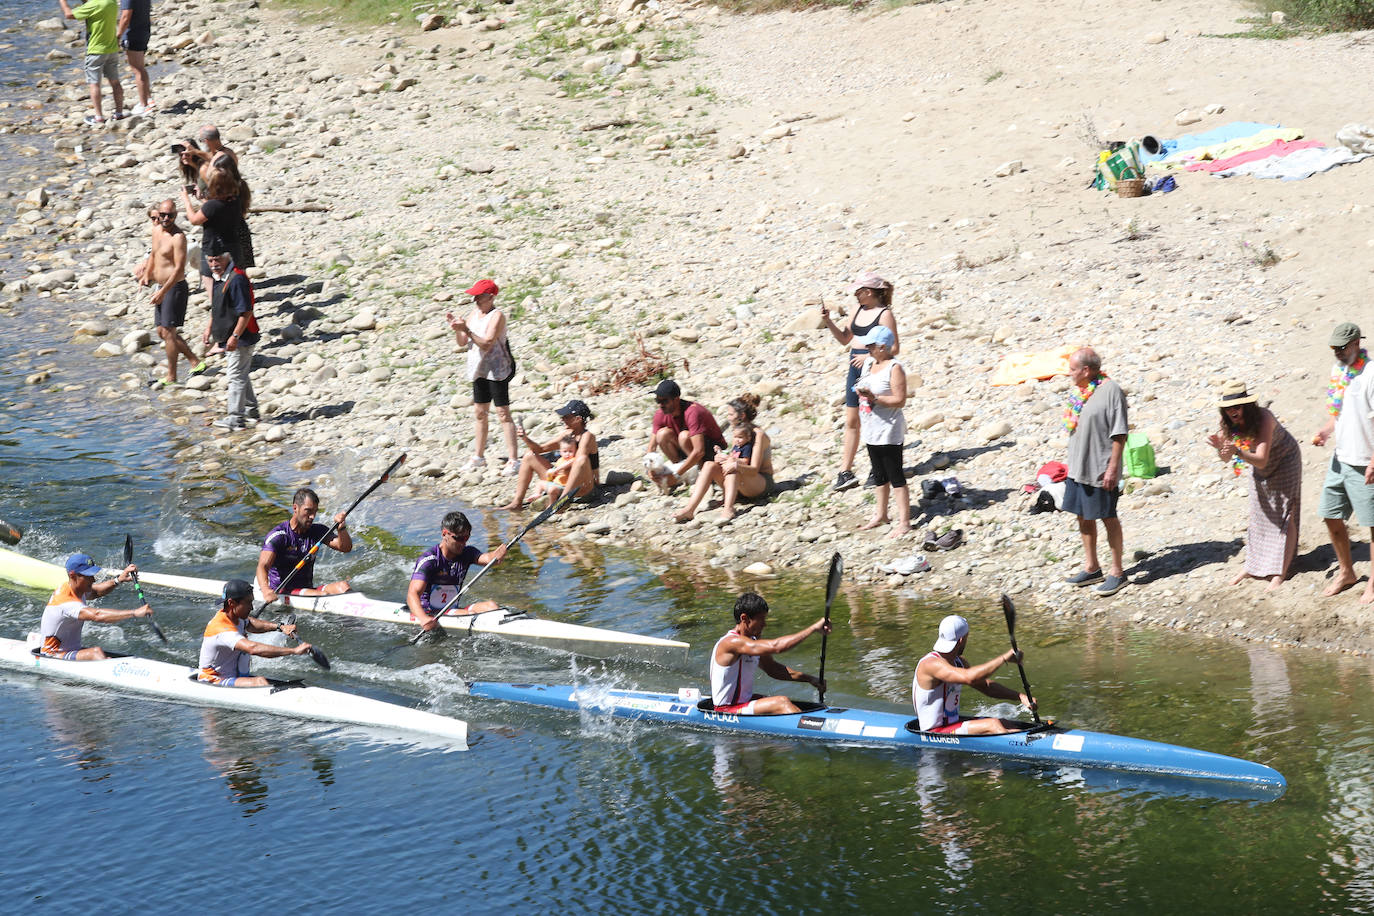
(1046, 743)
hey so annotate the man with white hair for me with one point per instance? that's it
(941, 676)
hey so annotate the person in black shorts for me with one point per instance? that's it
(165, 269)
(490, 369)
(135, 29)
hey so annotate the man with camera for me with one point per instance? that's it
(165, 268)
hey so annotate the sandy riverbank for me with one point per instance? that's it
(695, 178)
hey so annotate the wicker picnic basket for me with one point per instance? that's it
(1130, 187)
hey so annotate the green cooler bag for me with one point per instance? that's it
(1140, 456)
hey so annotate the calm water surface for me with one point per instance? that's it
(124, 802)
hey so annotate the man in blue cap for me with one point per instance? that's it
(67, 613)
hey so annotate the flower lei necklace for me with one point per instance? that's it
(1340, 379)
(1241, 442)
(1076, 402)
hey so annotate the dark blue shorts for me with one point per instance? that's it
(850, 398)
(1089, 503)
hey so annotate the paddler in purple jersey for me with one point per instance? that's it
(440, 571)
(292, 539)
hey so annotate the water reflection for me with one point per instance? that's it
(83, 724)
(245, 753)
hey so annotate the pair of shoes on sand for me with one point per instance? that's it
(906, 566)
(1106, 585)
(947, 541)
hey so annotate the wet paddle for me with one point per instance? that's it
(10, 534)
(285, 583)
(316, 655)
(832, 585)
(1009, 611)
(533, 523)
(129, 558)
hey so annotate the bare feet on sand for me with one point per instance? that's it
(1240, 577)
(874, 522)
(899, 531)
(1340, 584)
(1275, 583)
(683, 515)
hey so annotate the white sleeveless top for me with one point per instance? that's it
(879, 425)
(733, 684)
(939, 706)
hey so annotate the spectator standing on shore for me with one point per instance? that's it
(234, 328)
(490, 369)
(165, 268)
(220, 218)
(684, 435)
(1349, 486)
(881, 389)
(1252, 435)
(102, 53)
(1097, 423)
(135, 30)
(874, 297)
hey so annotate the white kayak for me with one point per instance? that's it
(508, 622)
(283, 698)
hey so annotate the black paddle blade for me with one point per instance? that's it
(1009, 611)
(832, 584)
(10, 534)
(128, 549)
(319, 658)
(157, 630)
(392, 470)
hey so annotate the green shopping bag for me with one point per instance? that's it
(1140, 456)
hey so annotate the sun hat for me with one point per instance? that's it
(1344, 333)
(952, 629)
(575, 407)
(1233, 394)
(483, 288)
(237, 589)
(82, 565)
(880, 336)
(868, 280)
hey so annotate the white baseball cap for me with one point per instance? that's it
(952, 629)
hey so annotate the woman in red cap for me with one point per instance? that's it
(490, 368)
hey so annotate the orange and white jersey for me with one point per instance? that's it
(219, 656)
(62, 623)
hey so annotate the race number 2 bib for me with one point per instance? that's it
(441, 595)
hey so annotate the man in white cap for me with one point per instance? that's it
(67, 613)
(941, 676)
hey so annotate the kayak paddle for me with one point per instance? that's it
(286, 580)
(832, 585)
(316, 655)
(1009, 611)
(129, 558)
(10, 534)
(537, 520)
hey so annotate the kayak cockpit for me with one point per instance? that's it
(1028, 728)
(707, 706)
(274, 685)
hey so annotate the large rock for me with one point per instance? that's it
(430, 21)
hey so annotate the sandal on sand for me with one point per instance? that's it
(1083, 577)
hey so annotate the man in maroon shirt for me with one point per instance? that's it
(684, 433)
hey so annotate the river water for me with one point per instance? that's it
(136, 803)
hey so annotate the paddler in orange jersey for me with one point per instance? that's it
(224, 650)
(67, 613)
(739, 653)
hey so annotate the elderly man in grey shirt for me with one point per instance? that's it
(1097, 424)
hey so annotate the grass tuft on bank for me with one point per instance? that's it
(1324, 15)
(364, 12)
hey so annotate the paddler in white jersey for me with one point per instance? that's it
(224, 650)
(941, 676)
(66, 613)
(739, 653)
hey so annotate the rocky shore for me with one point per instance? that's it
(667, 177)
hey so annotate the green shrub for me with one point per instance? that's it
(1327, 15)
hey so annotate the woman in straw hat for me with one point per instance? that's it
(1251, 435)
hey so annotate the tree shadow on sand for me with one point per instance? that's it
(1181, 559)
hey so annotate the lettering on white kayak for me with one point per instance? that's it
(721, 717)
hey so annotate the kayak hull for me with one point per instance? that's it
(1045, 745)
(176, 682)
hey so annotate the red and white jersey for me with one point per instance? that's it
(734, 683)
(939, 706)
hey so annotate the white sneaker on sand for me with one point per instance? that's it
(477, 461)
(512, 468)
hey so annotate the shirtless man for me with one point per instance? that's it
(742, 651)
(941, 676)
(165, 268)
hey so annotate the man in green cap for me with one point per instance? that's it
(102, 52)
(1349, 485)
